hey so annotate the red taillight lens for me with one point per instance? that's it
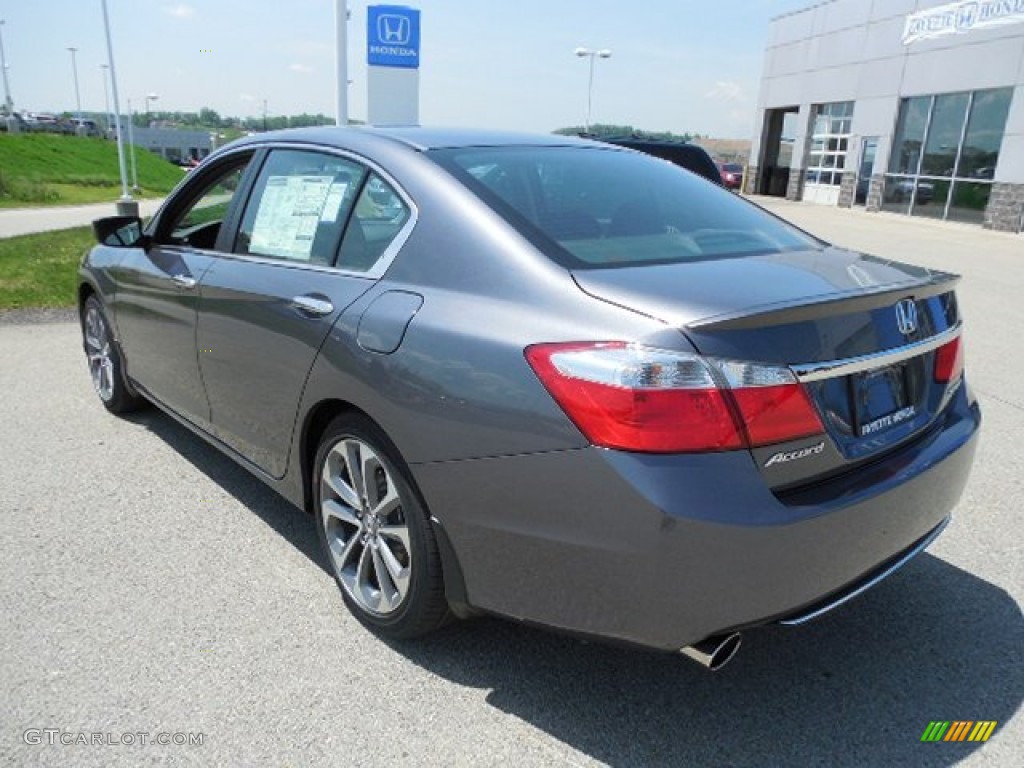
(949, 361)
(651, 400)
(777, 413)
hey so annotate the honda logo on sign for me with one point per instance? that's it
(393, 36)
(906, 316)
(393, 29)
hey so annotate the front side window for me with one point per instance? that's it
(197, 222)
(299, 206)
(595, 207)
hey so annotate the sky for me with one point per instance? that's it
(678, 65)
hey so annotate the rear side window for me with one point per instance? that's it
(299, 206)
(595, 207)
(379, 216)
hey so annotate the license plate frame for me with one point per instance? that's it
(880, 399)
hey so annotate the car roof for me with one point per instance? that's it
(415, 137)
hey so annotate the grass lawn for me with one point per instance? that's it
(40, 270)
(43, 169)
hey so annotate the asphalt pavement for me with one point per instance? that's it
(148, 585)
(26, 221)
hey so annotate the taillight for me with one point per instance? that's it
(949, 361)
(638, 398)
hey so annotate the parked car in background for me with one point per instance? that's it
(901, 190)
(731, 175)
(689, 156)
(542, 377)
(85, 127)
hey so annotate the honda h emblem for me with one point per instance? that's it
(393, 29)
(906, 316)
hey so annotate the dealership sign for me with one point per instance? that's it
(960, 18)
(393, 36)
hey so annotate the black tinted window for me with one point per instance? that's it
(604, 207)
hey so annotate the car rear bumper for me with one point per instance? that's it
(663, 551)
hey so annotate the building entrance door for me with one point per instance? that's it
(866, 169)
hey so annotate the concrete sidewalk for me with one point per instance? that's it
(26, 221)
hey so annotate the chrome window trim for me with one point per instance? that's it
(386, 258)
(808, 372)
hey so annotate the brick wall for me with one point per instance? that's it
(795, 187)
(1005, 210)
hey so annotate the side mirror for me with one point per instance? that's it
(119, 231)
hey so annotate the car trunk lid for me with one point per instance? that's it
(862, 335)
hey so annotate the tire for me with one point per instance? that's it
(106, 363)
(376, 536)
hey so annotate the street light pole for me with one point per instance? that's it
(131, 145)
(604, 53)
(126, 206)
(8, 103)
(78, 95)
(106, 100)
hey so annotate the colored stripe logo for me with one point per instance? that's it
(958, 730)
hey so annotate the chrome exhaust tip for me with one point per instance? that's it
(714, 652)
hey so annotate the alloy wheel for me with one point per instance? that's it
(365, 525)
(98, 350)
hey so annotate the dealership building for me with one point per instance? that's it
(909, 106)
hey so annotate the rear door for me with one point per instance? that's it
(157, 288)
(302, 254)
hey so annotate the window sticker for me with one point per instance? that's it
(335, 197)
(288, 215)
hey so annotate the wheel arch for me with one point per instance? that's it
(314, 425)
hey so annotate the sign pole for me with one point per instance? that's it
(341, 53)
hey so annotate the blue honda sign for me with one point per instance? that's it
(393, 36)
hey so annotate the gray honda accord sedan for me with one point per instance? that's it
(542, 377)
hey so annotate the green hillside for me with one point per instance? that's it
(42, 169)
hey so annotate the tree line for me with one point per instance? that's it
(606, 130)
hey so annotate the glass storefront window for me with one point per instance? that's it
(984, 133)
(944, 133)
(906, 145)
(944, 154)
(969, 201)
(930, 196)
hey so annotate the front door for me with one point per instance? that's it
(157, 292)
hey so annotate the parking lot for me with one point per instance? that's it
(150, 585)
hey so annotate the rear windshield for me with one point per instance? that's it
(732, 167)
(605, 207)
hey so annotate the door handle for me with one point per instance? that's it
(312, 306)
(183, 281)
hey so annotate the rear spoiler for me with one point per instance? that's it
(797, 311)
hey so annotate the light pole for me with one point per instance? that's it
(264, 115)
(8, 103)
(106, 100)
(125, 206)
(78, 96)
(131, 146)
(604, 53)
